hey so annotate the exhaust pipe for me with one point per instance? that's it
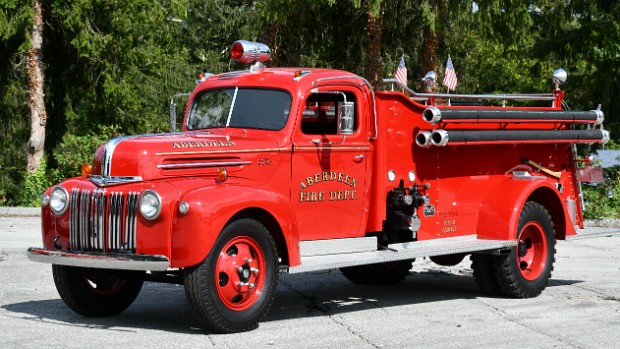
(442, 138)
(423, 139)
(434, 115)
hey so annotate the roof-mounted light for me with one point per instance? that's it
(248, 52)
(559, 77)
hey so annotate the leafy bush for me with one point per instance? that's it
(76, 150)
(603, 200)
(68, 157)
(36, 183)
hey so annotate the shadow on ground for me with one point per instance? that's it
(163, 307)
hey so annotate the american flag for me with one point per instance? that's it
(401, 72)
(450, 79)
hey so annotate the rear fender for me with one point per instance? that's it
(501, 208)
(211, 208)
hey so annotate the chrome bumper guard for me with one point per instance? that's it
(100, 260)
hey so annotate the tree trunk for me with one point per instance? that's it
(431, 41)
(38, 116)
(373, 67)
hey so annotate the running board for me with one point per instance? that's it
(402, 251)
(592, 232)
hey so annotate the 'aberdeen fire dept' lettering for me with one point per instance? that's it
(203, 144)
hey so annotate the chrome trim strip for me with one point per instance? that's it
(330, 147)
(99, 260)
(115, 219)
(203, 164)
(235, 151)
(131, 221)
(104, 181)
(106, 165)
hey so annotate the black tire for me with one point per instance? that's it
(226, 292)
(448, 260)
(378, 274)
(95, 292)
(485, 267)
(526, 270)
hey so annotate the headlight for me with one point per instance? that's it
(150, 205)
(59, 200)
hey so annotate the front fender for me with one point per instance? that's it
(211, 208)
(501, 208)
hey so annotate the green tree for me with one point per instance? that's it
(15, 22)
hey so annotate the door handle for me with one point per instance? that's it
(358, 158)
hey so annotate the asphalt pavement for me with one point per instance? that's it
(435, 307)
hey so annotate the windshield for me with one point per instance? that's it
(240, 107)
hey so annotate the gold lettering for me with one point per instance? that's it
(340, 175)
(341, 195)
(353, 182)
(203, 144)
(325, 176)
(317, 178)
(302, 185)
(309, 181)
(332, 175)
(313, 196)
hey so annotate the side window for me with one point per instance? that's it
(320, 115)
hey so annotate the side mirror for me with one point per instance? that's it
(173, 116)
(173, 110)
(346, 116)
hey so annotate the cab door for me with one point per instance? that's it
(330, 171)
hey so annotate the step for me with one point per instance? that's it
(593, 232)
(403, 251)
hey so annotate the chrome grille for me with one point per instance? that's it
(103, 221)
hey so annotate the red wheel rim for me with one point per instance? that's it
(532, 251)
(240, 273)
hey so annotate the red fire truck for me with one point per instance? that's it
(297, 170)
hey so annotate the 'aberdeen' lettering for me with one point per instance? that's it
(203, 144)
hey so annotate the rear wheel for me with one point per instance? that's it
(485, 267)
(232, 289)
(525, 271)
(378, 274)
(95, 292)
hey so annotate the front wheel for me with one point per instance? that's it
(232, 289)
(525, 271)
(95, 292)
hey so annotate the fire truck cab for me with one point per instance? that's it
(296, 170)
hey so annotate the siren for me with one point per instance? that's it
(248, 52)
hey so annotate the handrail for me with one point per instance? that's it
(426, 96)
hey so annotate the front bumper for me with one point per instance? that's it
(100, 260)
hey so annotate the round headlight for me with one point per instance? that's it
(150, 205)
(59, 200)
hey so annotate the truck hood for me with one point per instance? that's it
(150, 157)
